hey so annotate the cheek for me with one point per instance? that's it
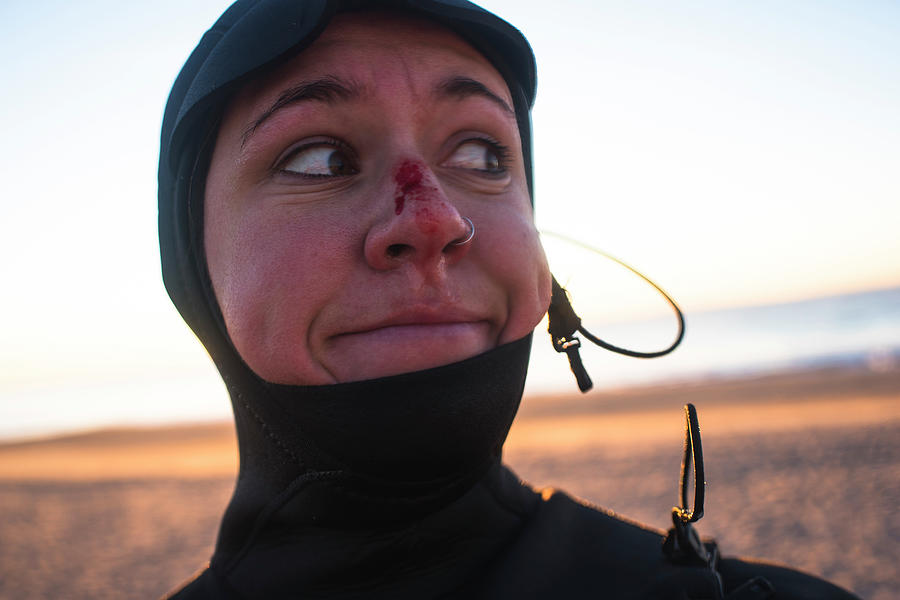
(273, 279)
(520, 266)
(534, 283)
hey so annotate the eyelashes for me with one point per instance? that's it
(483, 155)
(330, 158)
(321, 159)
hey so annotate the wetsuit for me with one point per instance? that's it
(391, 488)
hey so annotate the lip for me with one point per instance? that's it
(410, 339)
(424, 318)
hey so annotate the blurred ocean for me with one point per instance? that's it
(861, 329)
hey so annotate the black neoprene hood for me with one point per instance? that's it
(253, 35)
(362, 452)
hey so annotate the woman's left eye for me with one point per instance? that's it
(479, 155)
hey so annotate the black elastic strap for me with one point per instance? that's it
(693, 456)
(683, 545)
(564, 322)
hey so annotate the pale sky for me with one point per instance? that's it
(737, 152)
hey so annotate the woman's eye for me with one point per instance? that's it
(479, 155)
(320, 160)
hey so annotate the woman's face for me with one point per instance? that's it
(336, 190)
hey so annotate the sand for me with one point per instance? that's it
(802, 468)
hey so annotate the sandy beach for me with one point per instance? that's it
(802, 468)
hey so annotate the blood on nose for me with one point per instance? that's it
(412, 185)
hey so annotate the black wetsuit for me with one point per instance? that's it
(394, 489)
(390, 488)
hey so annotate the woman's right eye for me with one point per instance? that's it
(320, 160)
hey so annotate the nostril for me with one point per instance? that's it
(395, 250)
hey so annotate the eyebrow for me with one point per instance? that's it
(329, 90)
(464, 87)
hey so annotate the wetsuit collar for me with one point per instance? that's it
(372, 453)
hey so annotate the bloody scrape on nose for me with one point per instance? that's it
(424, 224)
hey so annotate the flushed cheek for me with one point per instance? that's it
(274, 296)
(520, 264)
(528, 309)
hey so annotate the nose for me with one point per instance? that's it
(422, 227)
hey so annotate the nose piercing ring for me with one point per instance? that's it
(469, 236)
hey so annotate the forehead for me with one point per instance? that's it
(376, 50)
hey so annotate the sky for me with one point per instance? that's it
(739, 153)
